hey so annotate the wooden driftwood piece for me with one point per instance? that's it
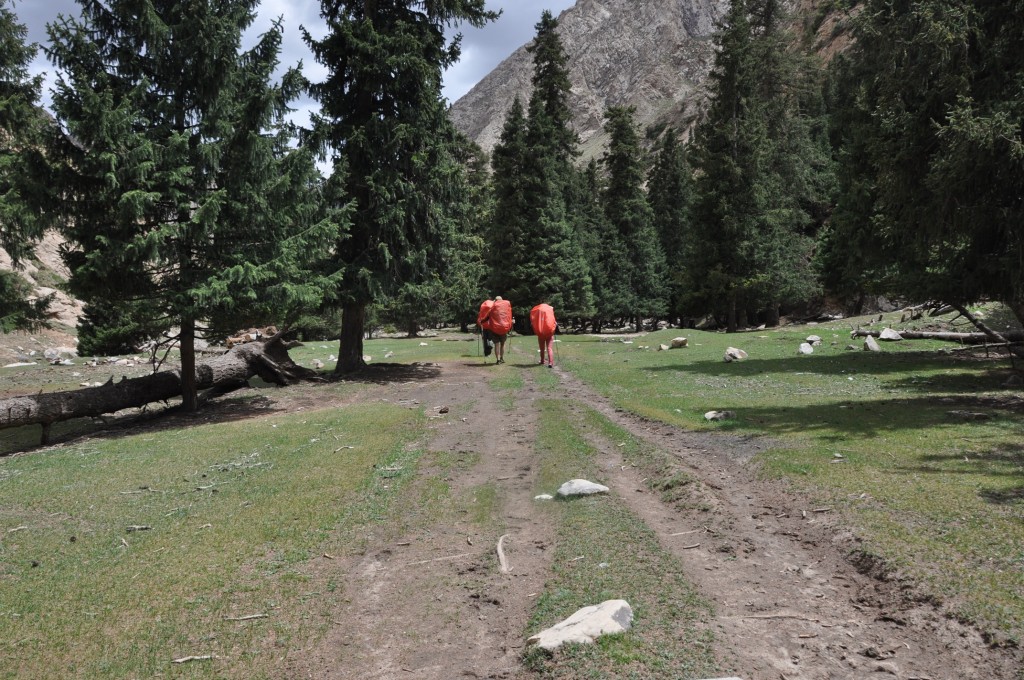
(218, 375)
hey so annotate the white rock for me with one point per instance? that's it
(367, 358)
(889, 334)
(871, 345)
(580, 487)
(317, 364)
(679, 342)
(423, 344)
(733, 354)
(543, 497)
(587, 624)
(813, 339)
(719, 415)
(663, 347)
(21, 363)
(805, 348)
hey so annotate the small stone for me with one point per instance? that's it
(581, 487)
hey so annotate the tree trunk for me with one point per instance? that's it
(350, 349)
(221, 374)
(732, 323)
(964, 338)
(187, 348)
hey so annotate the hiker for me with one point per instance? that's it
(485, 325)
(501, 323)
(542, 318)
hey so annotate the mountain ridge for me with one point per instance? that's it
(653, 55)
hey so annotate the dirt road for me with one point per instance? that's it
(789, 602)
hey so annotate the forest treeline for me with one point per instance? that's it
(189, 200)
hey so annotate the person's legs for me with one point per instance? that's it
(540, 342)
(500, 349)
(550, 342)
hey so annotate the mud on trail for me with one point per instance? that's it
(431, 602)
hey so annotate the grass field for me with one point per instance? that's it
(920, 446)
(122, 552)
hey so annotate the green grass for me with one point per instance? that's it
(603, 551)
(889, 439)
(240, 510)
(235, 513)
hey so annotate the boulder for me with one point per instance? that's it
(733, 354)
(805, 348)
(871, 345)
(581, 487)
(678, 342)
(889, 334)
(814, 339)
(586, 625)
(663, 347)
(719, 415)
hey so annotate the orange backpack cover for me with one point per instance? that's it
(542, 318)
(501, 317)
(483, 317)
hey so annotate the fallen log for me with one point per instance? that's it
(964, 338)
(221, 374)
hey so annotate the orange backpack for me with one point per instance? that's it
(501, 317)
(542, 318)
(483, 317)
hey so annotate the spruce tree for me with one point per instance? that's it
(641, 272)
(757, 177)
(539, 256)
(670, 192)
(718, 255)
(599, 241)
(23, 131)
(185, 201)
(384, 122)
(466, 280)
(940, 148)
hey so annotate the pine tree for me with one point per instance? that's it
(465, 283)
(599, 242)
(185, 201)
(940, 154)
(670, 193)
(385, 123)
(718, 255)
(757, 177)
(642, 271)
(23, 130)
(508, 226)
(538, 255)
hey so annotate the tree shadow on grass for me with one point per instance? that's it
(382, 374)
(260, 400)
(853, 363)
(1002, 461)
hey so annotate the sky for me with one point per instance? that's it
(482, 49)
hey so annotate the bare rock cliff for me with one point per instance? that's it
(651, 54)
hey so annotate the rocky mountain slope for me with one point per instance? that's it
(651, 54)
